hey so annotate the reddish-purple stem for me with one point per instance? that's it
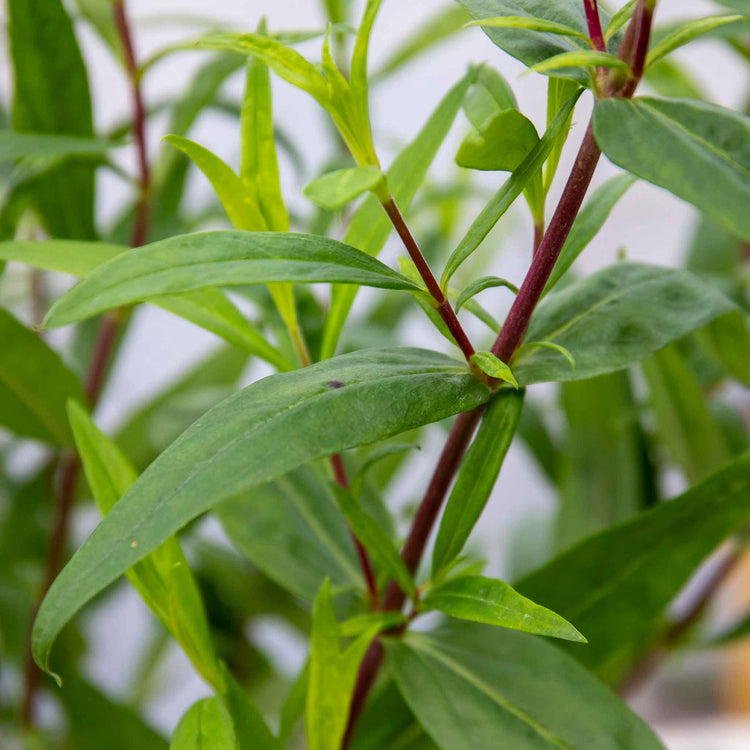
(443, 304)
(595, 25)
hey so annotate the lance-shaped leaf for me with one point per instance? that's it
(683, 146)
(615, 585)
(375, 540)
(369, 228)
(225, 258)
(477, 477)
(686, 34)
(620, 18)
(493, 602)
(587, 224)
(34, 385)
(262, 432)
(336, 189)
(532, 24)
(207, 308)
(51, 95)
(584, 59)
(332, 674)
(532, 46)
(250, 729)
(163, 579)
(495, 677)
(206, 725)
(485, 282)
(510, 190)
(614, 318)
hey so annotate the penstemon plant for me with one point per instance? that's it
(299, 467)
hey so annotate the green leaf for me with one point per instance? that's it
(332, 675)
(490, 95)
(250, 729)
(501, 145)
(34, 385)
(477, 477)
(728, 338)
(259, 163)
(262, 432)
(686, 34)
(495, 677)
(531, 46)
(163, 578)
(559, 90)
(375, 540)
(584, 59)
(549, 345)
(684, 420)
(485, 282)
(494, 602)
(361, 623)
(207, 308)
(587, 224)
(510, 190)
(683, 145)
(293, 530)
(358, 76)
(17, 145)
(615, 585)
(614, 318)
(490, 365)
(619, 19)
(206, 725)
(99, 14)
(603, 477)
(369, 228)
(533, 24)
(224, 258)
(238, 200)
(335, 189)
(51, 95)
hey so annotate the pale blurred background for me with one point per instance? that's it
(648, 223)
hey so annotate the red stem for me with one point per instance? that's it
(95, 377)
(595, 25)
(444, 306)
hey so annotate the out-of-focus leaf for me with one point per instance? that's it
(250, 729)
(224, 258)
(332, 674)
(156, 423)
(477, 477)
(52, 96)
(495, 677)
(93, 715)
(15, 145)
(614, 318)
(670, 79)
(490, 95)
(683, 145)
(587, 224)
(99, 13)
(163, 578)
(534, 432)
(257, 435)
(510, 190)
(602, 479)
(684, 421)
(728, 338)
(34, 385)
(336, 189)
(493, 602)
(615, 585)
(369, 228)
(501, 145)
(559, 90)
(446, 22)
(293, 531)
(686, 34)
(206, 725)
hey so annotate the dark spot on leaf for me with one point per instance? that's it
(335, 384)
